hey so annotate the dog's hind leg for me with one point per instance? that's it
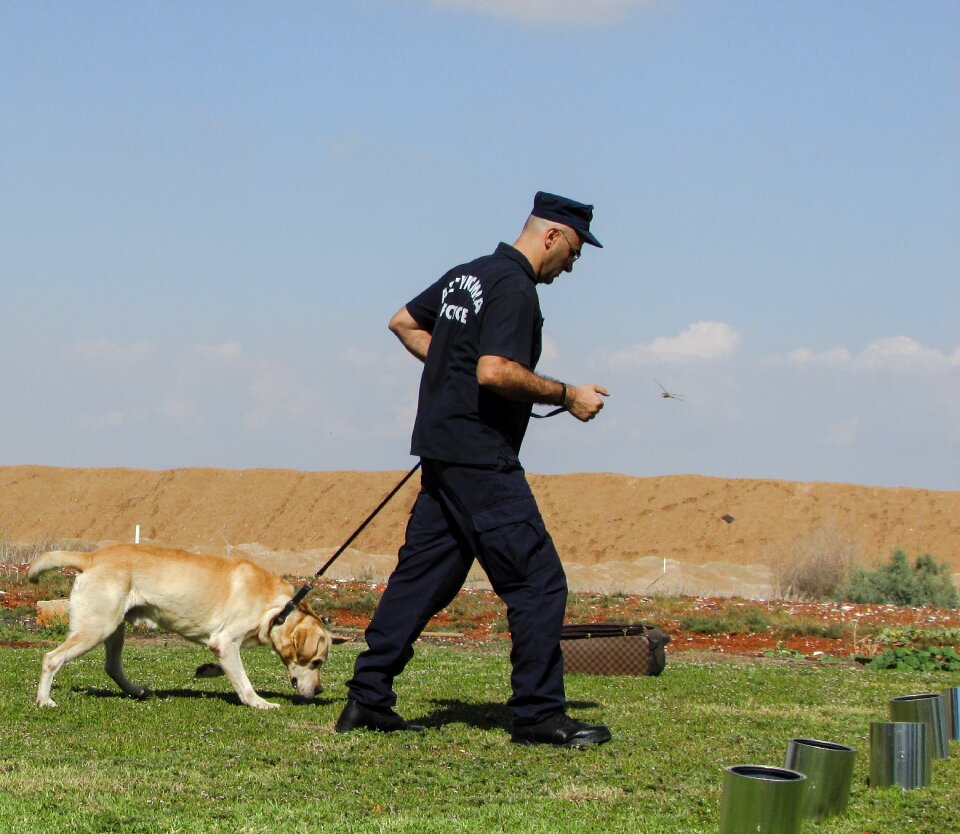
(94, 615)
(76, 644)
(114, 665)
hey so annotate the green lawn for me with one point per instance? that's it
(192, 760)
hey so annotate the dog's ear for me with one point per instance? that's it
(306, 641)
(299, 638)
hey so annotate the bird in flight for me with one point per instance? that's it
(667, 395)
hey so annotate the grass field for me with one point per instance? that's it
(192, 760)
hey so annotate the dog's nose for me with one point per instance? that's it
(293, 682)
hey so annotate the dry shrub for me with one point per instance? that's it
(814, 566)
(13, 553)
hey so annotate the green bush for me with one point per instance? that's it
(734, 620)
(933, 659)
(805, 627)
(897, 583)
(907, 636)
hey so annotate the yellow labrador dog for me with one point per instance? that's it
(223, 602)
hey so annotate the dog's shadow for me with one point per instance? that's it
(227, 697)
(483, 716)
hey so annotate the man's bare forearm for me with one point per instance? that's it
(513, 381)
(411, 335)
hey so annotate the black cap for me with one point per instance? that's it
(568, 212)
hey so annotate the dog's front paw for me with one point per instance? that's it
(261, 704)
(141, 693)
(46, 702)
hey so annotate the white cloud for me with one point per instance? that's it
(894, 352)
(551, 11)
(702, 341)
(901, 352)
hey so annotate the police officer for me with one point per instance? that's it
(478, 332)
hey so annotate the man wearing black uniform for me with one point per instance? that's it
(478, 332)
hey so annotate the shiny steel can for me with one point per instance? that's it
(762, 800)
(829, 771)
(900, 754)
(930, 709)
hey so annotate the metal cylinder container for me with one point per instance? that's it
(930, 709)
(829, 771)
(951, 703)
(762, 800)
(900, 754)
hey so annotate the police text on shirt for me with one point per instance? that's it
(463, 283)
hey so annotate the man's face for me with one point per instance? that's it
(565, 245)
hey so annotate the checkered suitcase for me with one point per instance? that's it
(613, 649)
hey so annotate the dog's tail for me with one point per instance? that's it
(56, 559)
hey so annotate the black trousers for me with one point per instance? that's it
(462, 513)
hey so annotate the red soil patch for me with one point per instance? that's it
(856, 620)
(15, 598)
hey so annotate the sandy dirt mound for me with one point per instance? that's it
(683, 533)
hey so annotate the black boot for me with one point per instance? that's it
(560, 730)
(355, 715)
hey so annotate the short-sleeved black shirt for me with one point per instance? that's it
(486, 307)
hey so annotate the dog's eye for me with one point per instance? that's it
(316, 664)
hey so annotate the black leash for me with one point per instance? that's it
(563, 399)
(299, 595)
(548, 414)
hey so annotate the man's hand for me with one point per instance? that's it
(585, 401)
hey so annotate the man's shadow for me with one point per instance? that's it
(483, 716)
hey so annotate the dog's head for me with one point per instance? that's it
(303, 643)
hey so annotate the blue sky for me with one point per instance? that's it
(210, 211)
